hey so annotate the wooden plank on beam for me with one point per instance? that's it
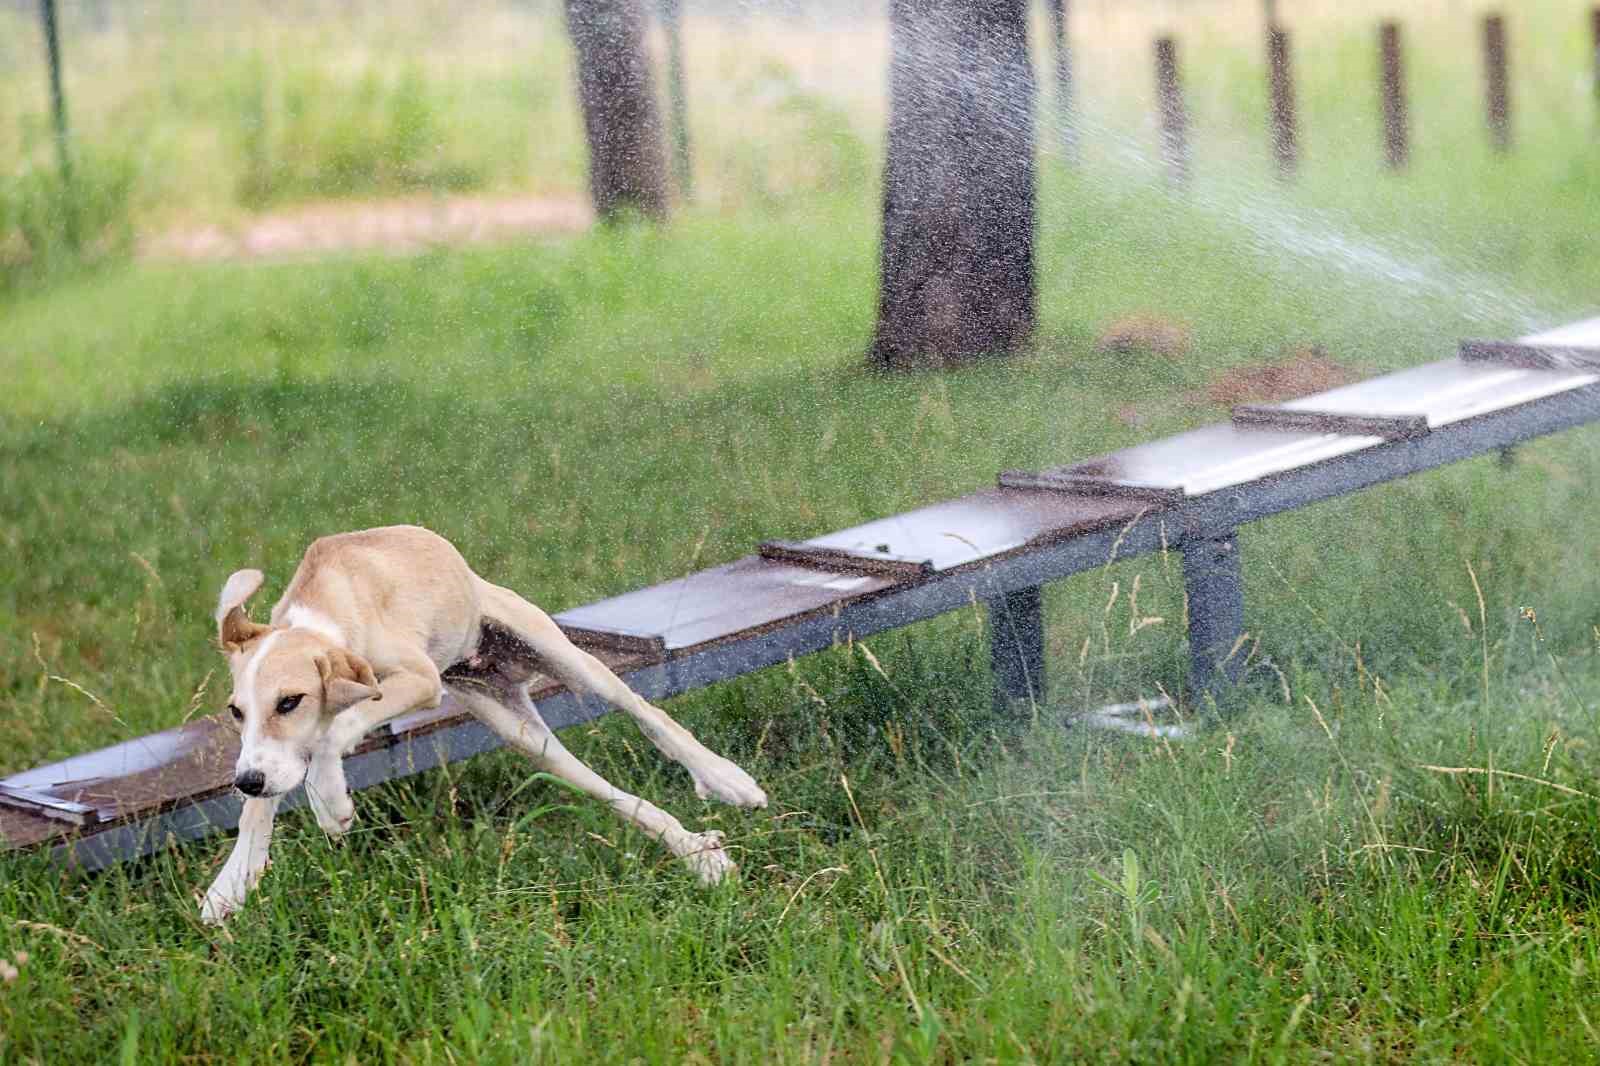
(1273, 416)
(47, 806)
(618, 639)
(845, 560)
(1068, 481)
(1195, 463)
(972, 530)
(138, 776)
(745, 597)
(1444, 392)
(1532, 356)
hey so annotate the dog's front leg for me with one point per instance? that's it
(418, 688)
(245, 865)
(327, 791)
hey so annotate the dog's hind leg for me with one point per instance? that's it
(506, 709)
(713, 775)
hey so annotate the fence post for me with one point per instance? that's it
(58, 96)
(677, 97)
(1060, 12)
(1594, 30)
(1214, 585)
(1281, 83)
(1016, 648)
(1396, 136)
(1495, 85)
(58, 108)
(1174, 118)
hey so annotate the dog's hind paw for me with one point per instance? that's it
(707, 859)
(717, 778)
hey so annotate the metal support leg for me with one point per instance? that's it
(1215, 587)
(1016, 647)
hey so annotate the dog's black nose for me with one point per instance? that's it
(251, 782)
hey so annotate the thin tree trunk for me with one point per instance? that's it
(627, 166)
(1066, 118)
(958, 191)
(678, 97)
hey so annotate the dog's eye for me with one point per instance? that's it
(238, 715)
(289, 703)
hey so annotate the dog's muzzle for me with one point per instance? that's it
(251, 782)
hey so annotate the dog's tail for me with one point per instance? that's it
(521, 640)
(531, 636)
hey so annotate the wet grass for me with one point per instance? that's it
(1297, 886)
(587, 416)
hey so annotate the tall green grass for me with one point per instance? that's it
(383, 139)
(50, 223)
(1297, 886)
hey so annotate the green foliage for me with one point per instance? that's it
(302, 133)
(49, 223)
(1133, 892)
(809, 144)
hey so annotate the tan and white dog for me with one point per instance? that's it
(366, 631)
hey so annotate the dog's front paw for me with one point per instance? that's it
(717, 778)
(707, 859)
(335, 815)
(329, 797)
(218, 904)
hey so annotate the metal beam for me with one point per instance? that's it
(1214, 594)
(1016, 649)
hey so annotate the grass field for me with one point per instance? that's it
(1387, 854)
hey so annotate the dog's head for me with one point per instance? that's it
(287, 686)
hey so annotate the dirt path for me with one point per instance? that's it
(401, 225)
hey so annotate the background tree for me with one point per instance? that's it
(1066, 120)
(958, 190)
(621, 122)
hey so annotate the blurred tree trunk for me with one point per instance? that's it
(1066, 120)
(677, 97)
(627, 167)
(958, 186)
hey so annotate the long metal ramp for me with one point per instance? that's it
(1190, 492)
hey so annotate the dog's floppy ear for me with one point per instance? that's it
(347, 679)
(234, 628)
